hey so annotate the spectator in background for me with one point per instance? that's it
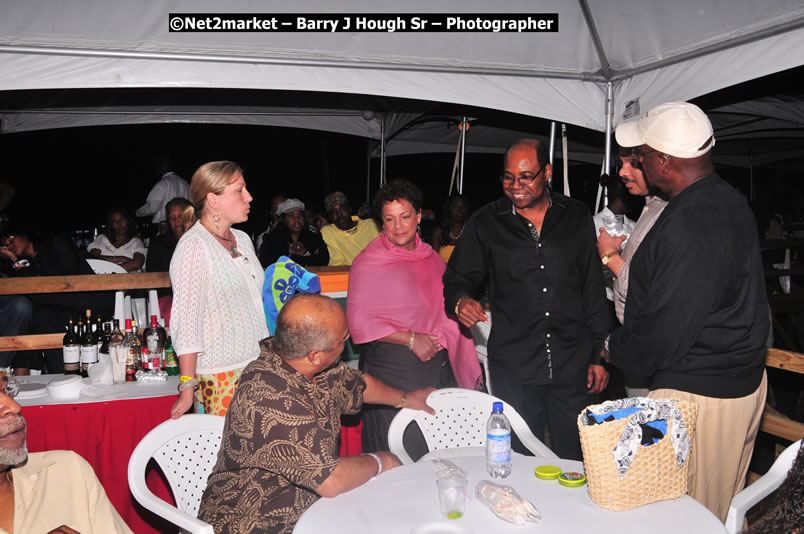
(160, 251)
(321, 220)
(161, 247)
(454, 215)
(348, 235)
(273, 222)
(292, 238)
(170, 186)
(52, 256)
(119, 243)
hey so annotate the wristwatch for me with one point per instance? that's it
(607, 258)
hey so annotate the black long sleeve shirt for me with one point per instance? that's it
(697, 313)
(547, 294)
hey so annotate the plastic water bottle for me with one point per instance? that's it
(498, 443)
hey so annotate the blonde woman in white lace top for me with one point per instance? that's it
(217, 319)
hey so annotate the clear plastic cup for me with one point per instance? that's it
(452, 496)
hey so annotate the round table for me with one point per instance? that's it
(405, 500)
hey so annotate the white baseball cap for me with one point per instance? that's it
(680, 129)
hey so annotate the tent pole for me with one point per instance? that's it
(606, 168)
(463, 153)
(368, 171)
(552, 145)
(564, 142)
(382, 151)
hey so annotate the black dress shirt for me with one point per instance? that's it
(546, 290)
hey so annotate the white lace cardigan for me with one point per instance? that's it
(217, 301)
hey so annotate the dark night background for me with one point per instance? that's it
(66, 179)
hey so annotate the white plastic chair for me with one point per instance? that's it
(460, 421)
(764, 486)
(480, 334)
(105, 267)
(186, 450)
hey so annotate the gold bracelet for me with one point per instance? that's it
(401, 403)
(458, 306)
(183, 379)
(412, 342)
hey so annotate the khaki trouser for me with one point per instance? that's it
(723, 444)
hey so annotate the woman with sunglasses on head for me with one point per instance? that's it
(217, 318)
(608, 245)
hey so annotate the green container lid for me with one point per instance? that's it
(547, 472)
(572, 479)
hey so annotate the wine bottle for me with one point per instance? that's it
(89, 346)
(71, 352)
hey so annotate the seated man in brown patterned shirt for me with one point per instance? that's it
(279, 451)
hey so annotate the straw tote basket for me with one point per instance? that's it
(652, 476)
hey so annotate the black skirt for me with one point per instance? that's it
(400, 368)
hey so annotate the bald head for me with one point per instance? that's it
(528, 144)
(308, 323)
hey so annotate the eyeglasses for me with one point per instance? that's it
(524, 178)
(638, 154)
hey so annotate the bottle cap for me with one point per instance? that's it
(572, 479)
(497, 407)
(547, 472)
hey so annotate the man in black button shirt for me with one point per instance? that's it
(696, 316)
(538, 250)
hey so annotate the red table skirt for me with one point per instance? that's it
(106, 433)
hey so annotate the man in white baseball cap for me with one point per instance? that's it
(696, 316)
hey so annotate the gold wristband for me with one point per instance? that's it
(183, 379)
(412, 342)
(458, 306)
(401, 402)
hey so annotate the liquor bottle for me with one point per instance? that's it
(71, 353)
(171, 361)
(138, 339)
(133, 345)
(117, 336)
(153, 345)
(89, 346)
(498, 443)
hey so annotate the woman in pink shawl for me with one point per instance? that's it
(395, 307)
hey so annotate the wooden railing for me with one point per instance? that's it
(333, 280)
(773, 422)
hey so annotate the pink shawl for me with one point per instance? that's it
(392, 289)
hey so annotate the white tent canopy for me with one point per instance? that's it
(645, 51)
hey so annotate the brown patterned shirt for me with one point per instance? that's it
(280, 442)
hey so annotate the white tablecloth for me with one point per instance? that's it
(90, 393)
(406, 498)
